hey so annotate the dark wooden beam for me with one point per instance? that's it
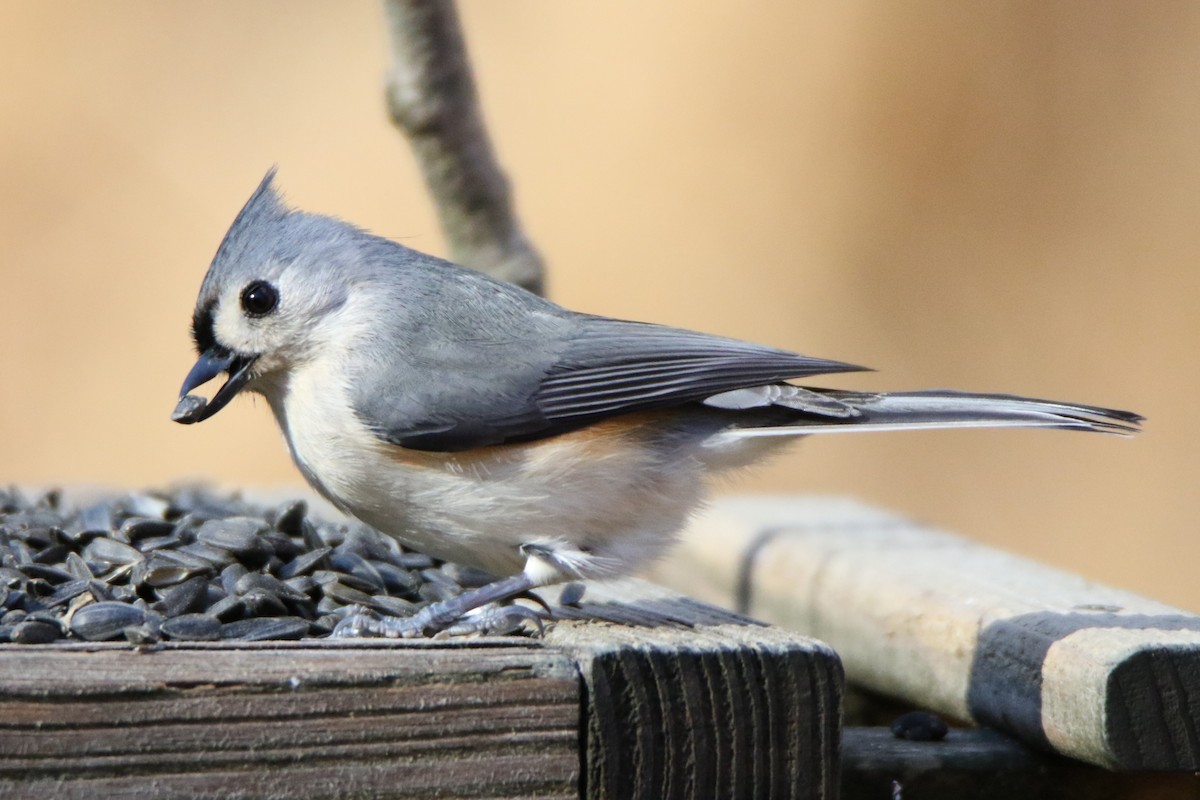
(983, 764)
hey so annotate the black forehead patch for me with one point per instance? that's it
(202, 327)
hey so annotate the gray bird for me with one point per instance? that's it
(479, 423)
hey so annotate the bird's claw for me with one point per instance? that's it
(359, 622)
(535, 598)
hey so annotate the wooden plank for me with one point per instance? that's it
(1065, 664)
(310, 721)
(983, 764)
(702, 703)
(689, 700)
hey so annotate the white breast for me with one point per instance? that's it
(610, 499)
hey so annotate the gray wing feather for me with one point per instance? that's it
(613, 366)
(565, 376)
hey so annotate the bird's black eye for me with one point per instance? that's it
(259, 299)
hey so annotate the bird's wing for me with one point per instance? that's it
(598, 368)
(614, 367)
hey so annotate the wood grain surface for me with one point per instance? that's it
(287, 721)
(1063, 663)
(642, 694)
(727, 710)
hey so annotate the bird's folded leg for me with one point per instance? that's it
(435, 617)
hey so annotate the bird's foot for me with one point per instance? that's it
(452, 615)
(497, 620)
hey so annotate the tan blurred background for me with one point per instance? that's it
(991, 196)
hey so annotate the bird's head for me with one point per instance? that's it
(277, 282)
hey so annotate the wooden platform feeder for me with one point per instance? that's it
(644, 692)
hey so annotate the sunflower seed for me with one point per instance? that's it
(392, 606)
(153, 543)
(37, 587)
(467, 577)
(144, 505)
(95, 518)
(110, 552)
(327, 605)
(289, 517)
(260, 628)
(37, 538)
(346, 595)
(136, 529)
(263, 604)
(310, 535)
(305, 563)
(437, 592)
(44, 616)
(35, 632)
(48, 574)
(396, 579)
(571, 594)
(167, 568)
(267, 583)
(17, 599)
(413, 561)
(75, 565)
(360, 568)
(230, 576)
(227, 608)
(67, 592)
(236, 534)
(13, 617)
(192, 627)
(52, 554)
(280, 545)
(302, 584)
(183, 598)
(100, 622)
(437, 577)
(215, 556)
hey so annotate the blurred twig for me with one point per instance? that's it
(431, 97)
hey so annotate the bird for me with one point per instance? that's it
(479, 423)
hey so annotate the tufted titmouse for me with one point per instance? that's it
(482, 424)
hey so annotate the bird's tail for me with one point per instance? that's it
(936, 408)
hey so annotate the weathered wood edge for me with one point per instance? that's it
(732, 709)
(691, 709)
(1063, 663)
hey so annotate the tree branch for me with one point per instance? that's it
(432, 99)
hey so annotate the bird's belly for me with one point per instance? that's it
(609, 494)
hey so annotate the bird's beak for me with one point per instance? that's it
(212, 363)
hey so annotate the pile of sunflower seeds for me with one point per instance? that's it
(190, 564)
